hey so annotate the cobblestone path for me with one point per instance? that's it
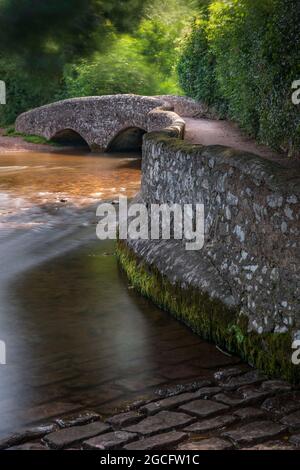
(235, 410)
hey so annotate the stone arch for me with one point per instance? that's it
(127, 139)
(70, 137)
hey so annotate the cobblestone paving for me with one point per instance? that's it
(235, 410)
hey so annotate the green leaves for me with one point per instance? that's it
(70, 27)
(242, 57)
(122, 69)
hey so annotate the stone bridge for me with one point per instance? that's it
(111, 122)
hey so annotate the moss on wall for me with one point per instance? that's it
(211, 319)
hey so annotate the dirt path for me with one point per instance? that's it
(212, 132)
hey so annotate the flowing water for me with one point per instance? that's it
(76, 334)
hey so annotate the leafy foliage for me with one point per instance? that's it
(197, 67)
(123, 69)
(38, 38)
(59, 30)
(144, 62)
(24, 90)
(242, 57)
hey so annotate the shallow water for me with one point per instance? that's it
(77, 335)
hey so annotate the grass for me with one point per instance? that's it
(32, 139)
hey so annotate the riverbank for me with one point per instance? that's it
(18, 144)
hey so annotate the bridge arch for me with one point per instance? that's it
(129, 138)
(69, 137)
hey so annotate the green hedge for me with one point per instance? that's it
(242, 57)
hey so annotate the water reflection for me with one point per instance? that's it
(80, 178)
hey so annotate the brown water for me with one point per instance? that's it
(77, 335)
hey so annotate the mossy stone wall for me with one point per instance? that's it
(242, 290)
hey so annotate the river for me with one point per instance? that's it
(76, 334)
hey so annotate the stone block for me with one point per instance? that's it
(203, 408)
(255, 432)
(68, 436)
(160, 422)
(159, 441)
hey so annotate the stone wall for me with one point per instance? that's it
(250, 264)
